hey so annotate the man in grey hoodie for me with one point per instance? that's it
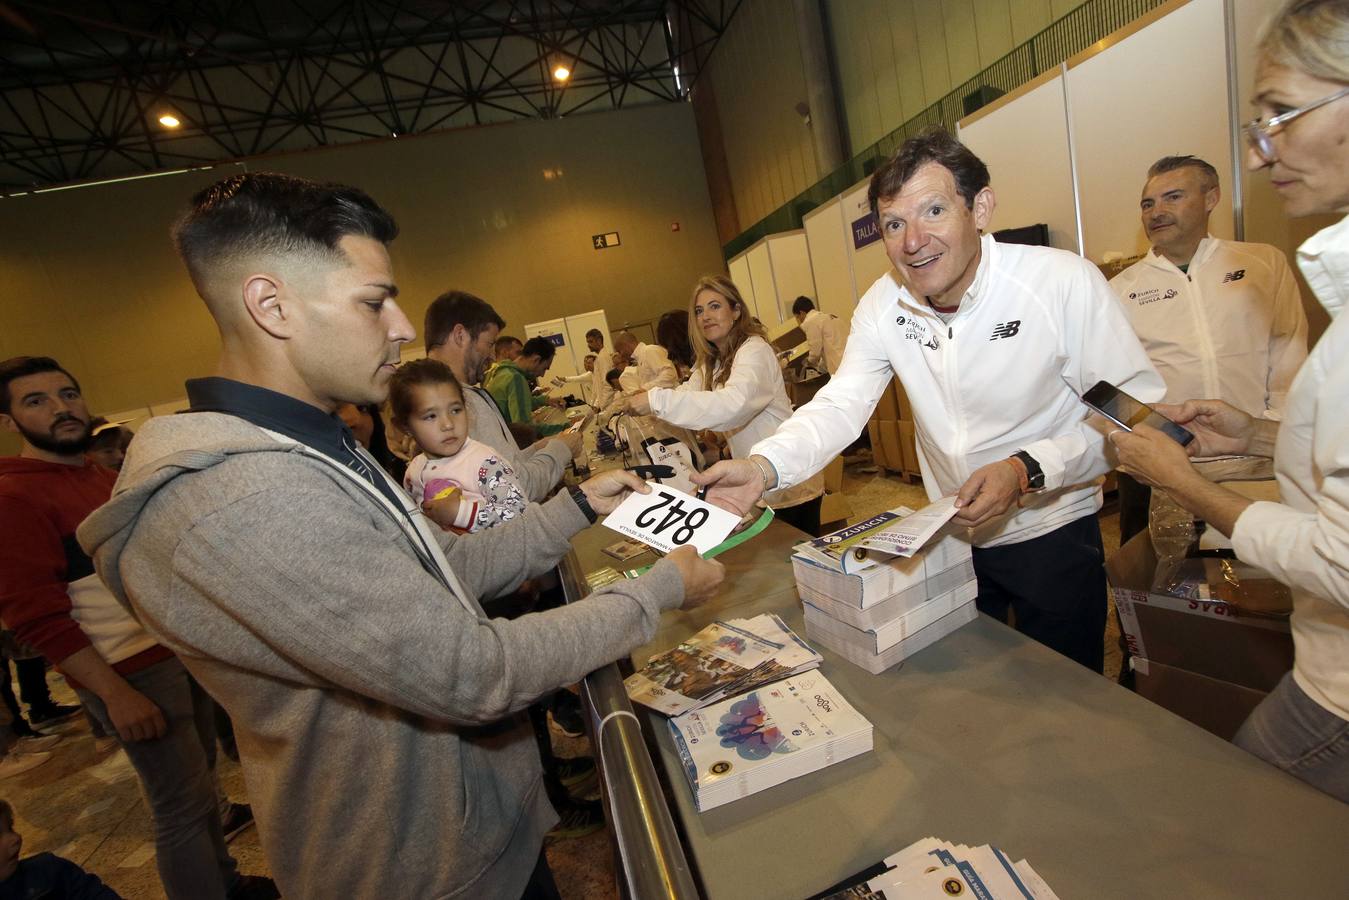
(375, 704)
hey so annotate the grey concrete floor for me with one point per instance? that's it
(87, 806)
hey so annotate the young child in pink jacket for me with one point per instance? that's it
(428, 404)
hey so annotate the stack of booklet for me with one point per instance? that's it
(933, 868)
(879, 591)
(771, 735)
(722, 660)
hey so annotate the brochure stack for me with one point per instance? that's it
(937, 869)
(768, 736)
(878, 592)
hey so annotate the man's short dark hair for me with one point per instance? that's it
(613, 375)
(506, 340)
(802, 305)
(21, 367)
(933, 145)
(540, 347)
(267, 213)
(458, 308)
(595, 333)
(1208, 176)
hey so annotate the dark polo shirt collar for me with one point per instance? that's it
(309, 425)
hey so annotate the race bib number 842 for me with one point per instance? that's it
(667, 518)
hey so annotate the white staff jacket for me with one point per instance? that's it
(1304, 541)
(747, 408)
(827, 336)
(1230, 328)
(1036, 328)
(653, 366)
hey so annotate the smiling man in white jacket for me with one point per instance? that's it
(993, 344)
(1219, 319)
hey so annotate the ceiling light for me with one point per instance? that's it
(561, 73)
(169, 120)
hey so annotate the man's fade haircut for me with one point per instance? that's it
(937, 145)
(595, 333)
(1208, 176)
(540, 347)
(17, 367)
(802, 304)
(264, 213)
(458, 308)
(505, 341)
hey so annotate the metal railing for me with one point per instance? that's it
(651, 860)
(1061, 40)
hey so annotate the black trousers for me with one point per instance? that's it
(1054, 586)
(805, 516)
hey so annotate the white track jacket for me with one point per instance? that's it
(1304, 541)
(1036, 329)
(1230, 328)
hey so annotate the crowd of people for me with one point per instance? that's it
(366, 607)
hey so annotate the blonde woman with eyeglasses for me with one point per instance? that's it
(1301, 136)
(735, 388)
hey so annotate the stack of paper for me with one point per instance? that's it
(933, 868)
(771, 735)
(877, 607)
(724, 659)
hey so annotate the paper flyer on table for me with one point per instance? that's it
(907, 536)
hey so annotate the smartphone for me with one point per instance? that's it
(1126, 412)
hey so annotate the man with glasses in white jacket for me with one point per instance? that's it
(994, 344)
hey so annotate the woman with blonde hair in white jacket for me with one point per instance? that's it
(735, 388)
(1302, 137)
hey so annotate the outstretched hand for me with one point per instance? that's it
(1219, 428)
(733, 484)
(990, 491)
(608, 489)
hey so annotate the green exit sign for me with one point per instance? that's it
(605, 241)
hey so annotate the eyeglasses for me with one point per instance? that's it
(1259, 133)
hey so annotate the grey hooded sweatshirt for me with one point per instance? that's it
(376, 705)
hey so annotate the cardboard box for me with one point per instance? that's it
(887, 408)
(905, 410)
(1216, 706)
(892, 448)
(1211, 637)
(908, 447)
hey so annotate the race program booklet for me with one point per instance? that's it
(723, 659)
(897, 532)
(771, 735)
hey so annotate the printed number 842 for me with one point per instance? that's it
(674, 514)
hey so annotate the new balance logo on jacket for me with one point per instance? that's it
(1006, 329)
(1234, 276)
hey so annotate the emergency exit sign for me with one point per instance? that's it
(605, 241)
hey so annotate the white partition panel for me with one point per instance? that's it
(827, 240)
(868, 261)
(1160, 91)
(765, 291)
(1024, 142)
(739, 268)
(792, 274)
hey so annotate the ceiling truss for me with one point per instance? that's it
(83, 84)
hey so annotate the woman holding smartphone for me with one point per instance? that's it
(1301, 135)
(735, 388)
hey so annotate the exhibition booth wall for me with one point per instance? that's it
(507, 211)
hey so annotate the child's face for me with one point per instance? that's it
(10, 845)
(439, 421)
